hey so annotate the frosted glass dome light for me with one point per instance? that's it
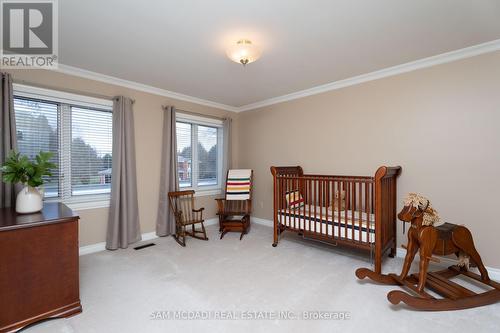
(243, 52)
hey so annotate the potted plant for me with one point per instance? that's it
(20, 169)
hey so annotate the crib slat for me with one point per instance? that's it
(296, 188)
(367, 208)
(302, 213)
(347, 196)
(360, 212)
(339, 206)
(289, 190)
(320, 194)
(308, 210)
(353, 208)
(325, 204)
(280, 197)
(284, 206)
(300, 195)
(288, 216)
(315, 203)
(370, 207)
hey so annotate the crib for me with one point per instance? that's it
(354, 211)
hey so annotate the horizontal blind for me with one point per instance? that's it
(91, 151)
(37, 125)
(207, 155)
(184, 153)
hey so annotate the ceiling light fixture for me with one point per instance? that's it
(243, 52)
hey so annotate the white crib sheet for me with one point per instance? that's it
(321, 220)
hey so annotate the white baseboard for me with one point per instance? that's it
(98, 247)
(212, 221)
(148, 236)
(494, 273)
(92, 248)
(258, 220)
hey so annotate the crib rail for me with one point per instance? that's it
(358, 211)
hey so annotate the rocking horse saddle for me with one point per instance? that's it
(446, 230)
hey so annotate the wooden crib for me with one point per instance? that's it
(355, 211)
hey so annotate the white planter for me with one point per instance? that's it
(29, 200)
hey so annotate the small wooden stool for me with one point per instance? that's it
(236, 224)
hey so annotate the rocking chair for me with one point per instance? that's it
(182, 204)
(234, 210)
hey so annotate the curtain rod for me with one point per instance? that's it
(197, 113)
(72, 91)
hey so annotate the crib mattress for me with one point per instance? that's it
(359, 227)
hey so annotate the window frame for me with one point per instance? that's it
(65, 101)
(196, 121)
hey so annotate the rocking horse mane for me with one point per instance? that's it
(431, 216)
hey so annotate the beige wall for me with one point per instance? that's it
(441, 124)
(148, 133)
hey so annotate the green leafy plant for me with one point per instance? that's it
(20, 169)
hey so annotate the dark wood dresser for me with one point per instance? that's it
(38, 266)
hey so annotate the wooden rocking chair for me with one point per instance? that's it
(235, 208)
(182, 204)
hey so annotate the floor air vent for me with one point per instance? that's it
(140, 247)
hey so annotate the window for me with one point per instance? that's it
(199, 168)
(77, 130)
(38, 130)
(91, 151)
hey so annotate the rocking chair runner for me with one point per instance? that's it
(182, 204)
(234, 210)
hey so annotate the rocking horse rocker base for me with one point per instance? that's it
(428, 239)
(455, 297)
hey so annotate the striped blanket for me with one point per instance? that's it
(238, 184)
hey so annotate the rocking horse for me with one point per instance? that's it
(428, 236)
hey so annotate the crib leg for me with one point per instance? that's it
(378, 262)
(278, 230)
(275, 242)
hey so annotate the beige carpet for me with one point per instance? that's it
(122, 291)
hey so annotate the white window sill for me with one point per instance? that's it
(85, 203)
(202, 193)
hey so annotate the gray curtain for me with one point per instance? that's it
(226, 163)
(7, 136)
(123, 221)
(165, 221)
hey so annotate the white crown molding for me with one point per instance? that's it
(390, 71)
(443, 58)
(83, 73)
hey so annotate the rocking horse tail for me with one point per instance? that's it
(462, 238)
(463, 260)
